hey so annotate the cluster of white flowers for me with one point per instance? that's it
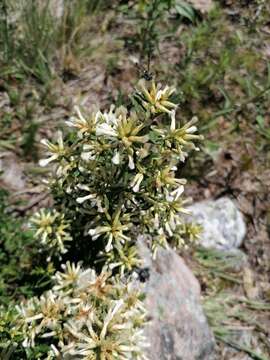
(155, 99)
(86, 316)
(118, 177)
(52, 230)
(186, 234)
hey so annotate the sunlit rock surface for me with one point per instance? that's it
(223, 224)
(178, 329)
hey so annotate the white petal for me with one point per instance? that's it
(109, 245)
(116, 158)
(173, 120)
(191, 130)
(82, 199)
(44, 142)
(178, 192)
(77, 109)
(70, 122)
(45, 162)
(131, 162)
(86, 156)
(106, 130)
(92, 232)
(136, 182)
(83, 187)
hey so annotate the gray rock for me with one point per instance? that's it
(11, 172)
(178, 329)
(223, 224)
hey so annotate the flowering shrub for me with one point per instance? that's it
(115, 178)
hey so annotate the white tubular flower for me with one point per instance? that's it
(69, 277)
(45, 162)
(116, 158)
(168, 229)
(174, 195)
(113, 229)
(107, 124)
(172, 127)
(156, 99)
(82, 199)
(185, 134)
(98, 231)
(166, 178)
(101, 230)
(101, 317)
(156, 221)
(90, 196)
(109, 317)
(89, 152)
(86, 156)
(110, 117)
(125, 257)
(135, 184)
(53, 353)
(131, 164)
(83, 125)
(106, 130)
(51, 228)
(54, 150)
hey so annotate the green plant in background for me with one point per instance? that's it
(28, 41)
(22, 263)
(150, 15)
(72, 35)
(219, 67)
(34, 42)
(37, 36)
(6, 40)
(185, 10)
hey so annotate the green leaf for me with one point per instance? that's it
(260, 121)
(154, 137)
(185, 10)
(211, 148)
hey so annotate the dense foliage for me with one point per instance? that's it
(116, 178)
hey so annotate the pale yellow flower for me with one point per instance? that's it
(84, 125)
(155, 99)
(55, 151)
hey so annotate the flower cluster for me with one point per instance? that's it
(115, 177)
(186, 234)
(155, 99)
(85, 316)
(52, 230)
